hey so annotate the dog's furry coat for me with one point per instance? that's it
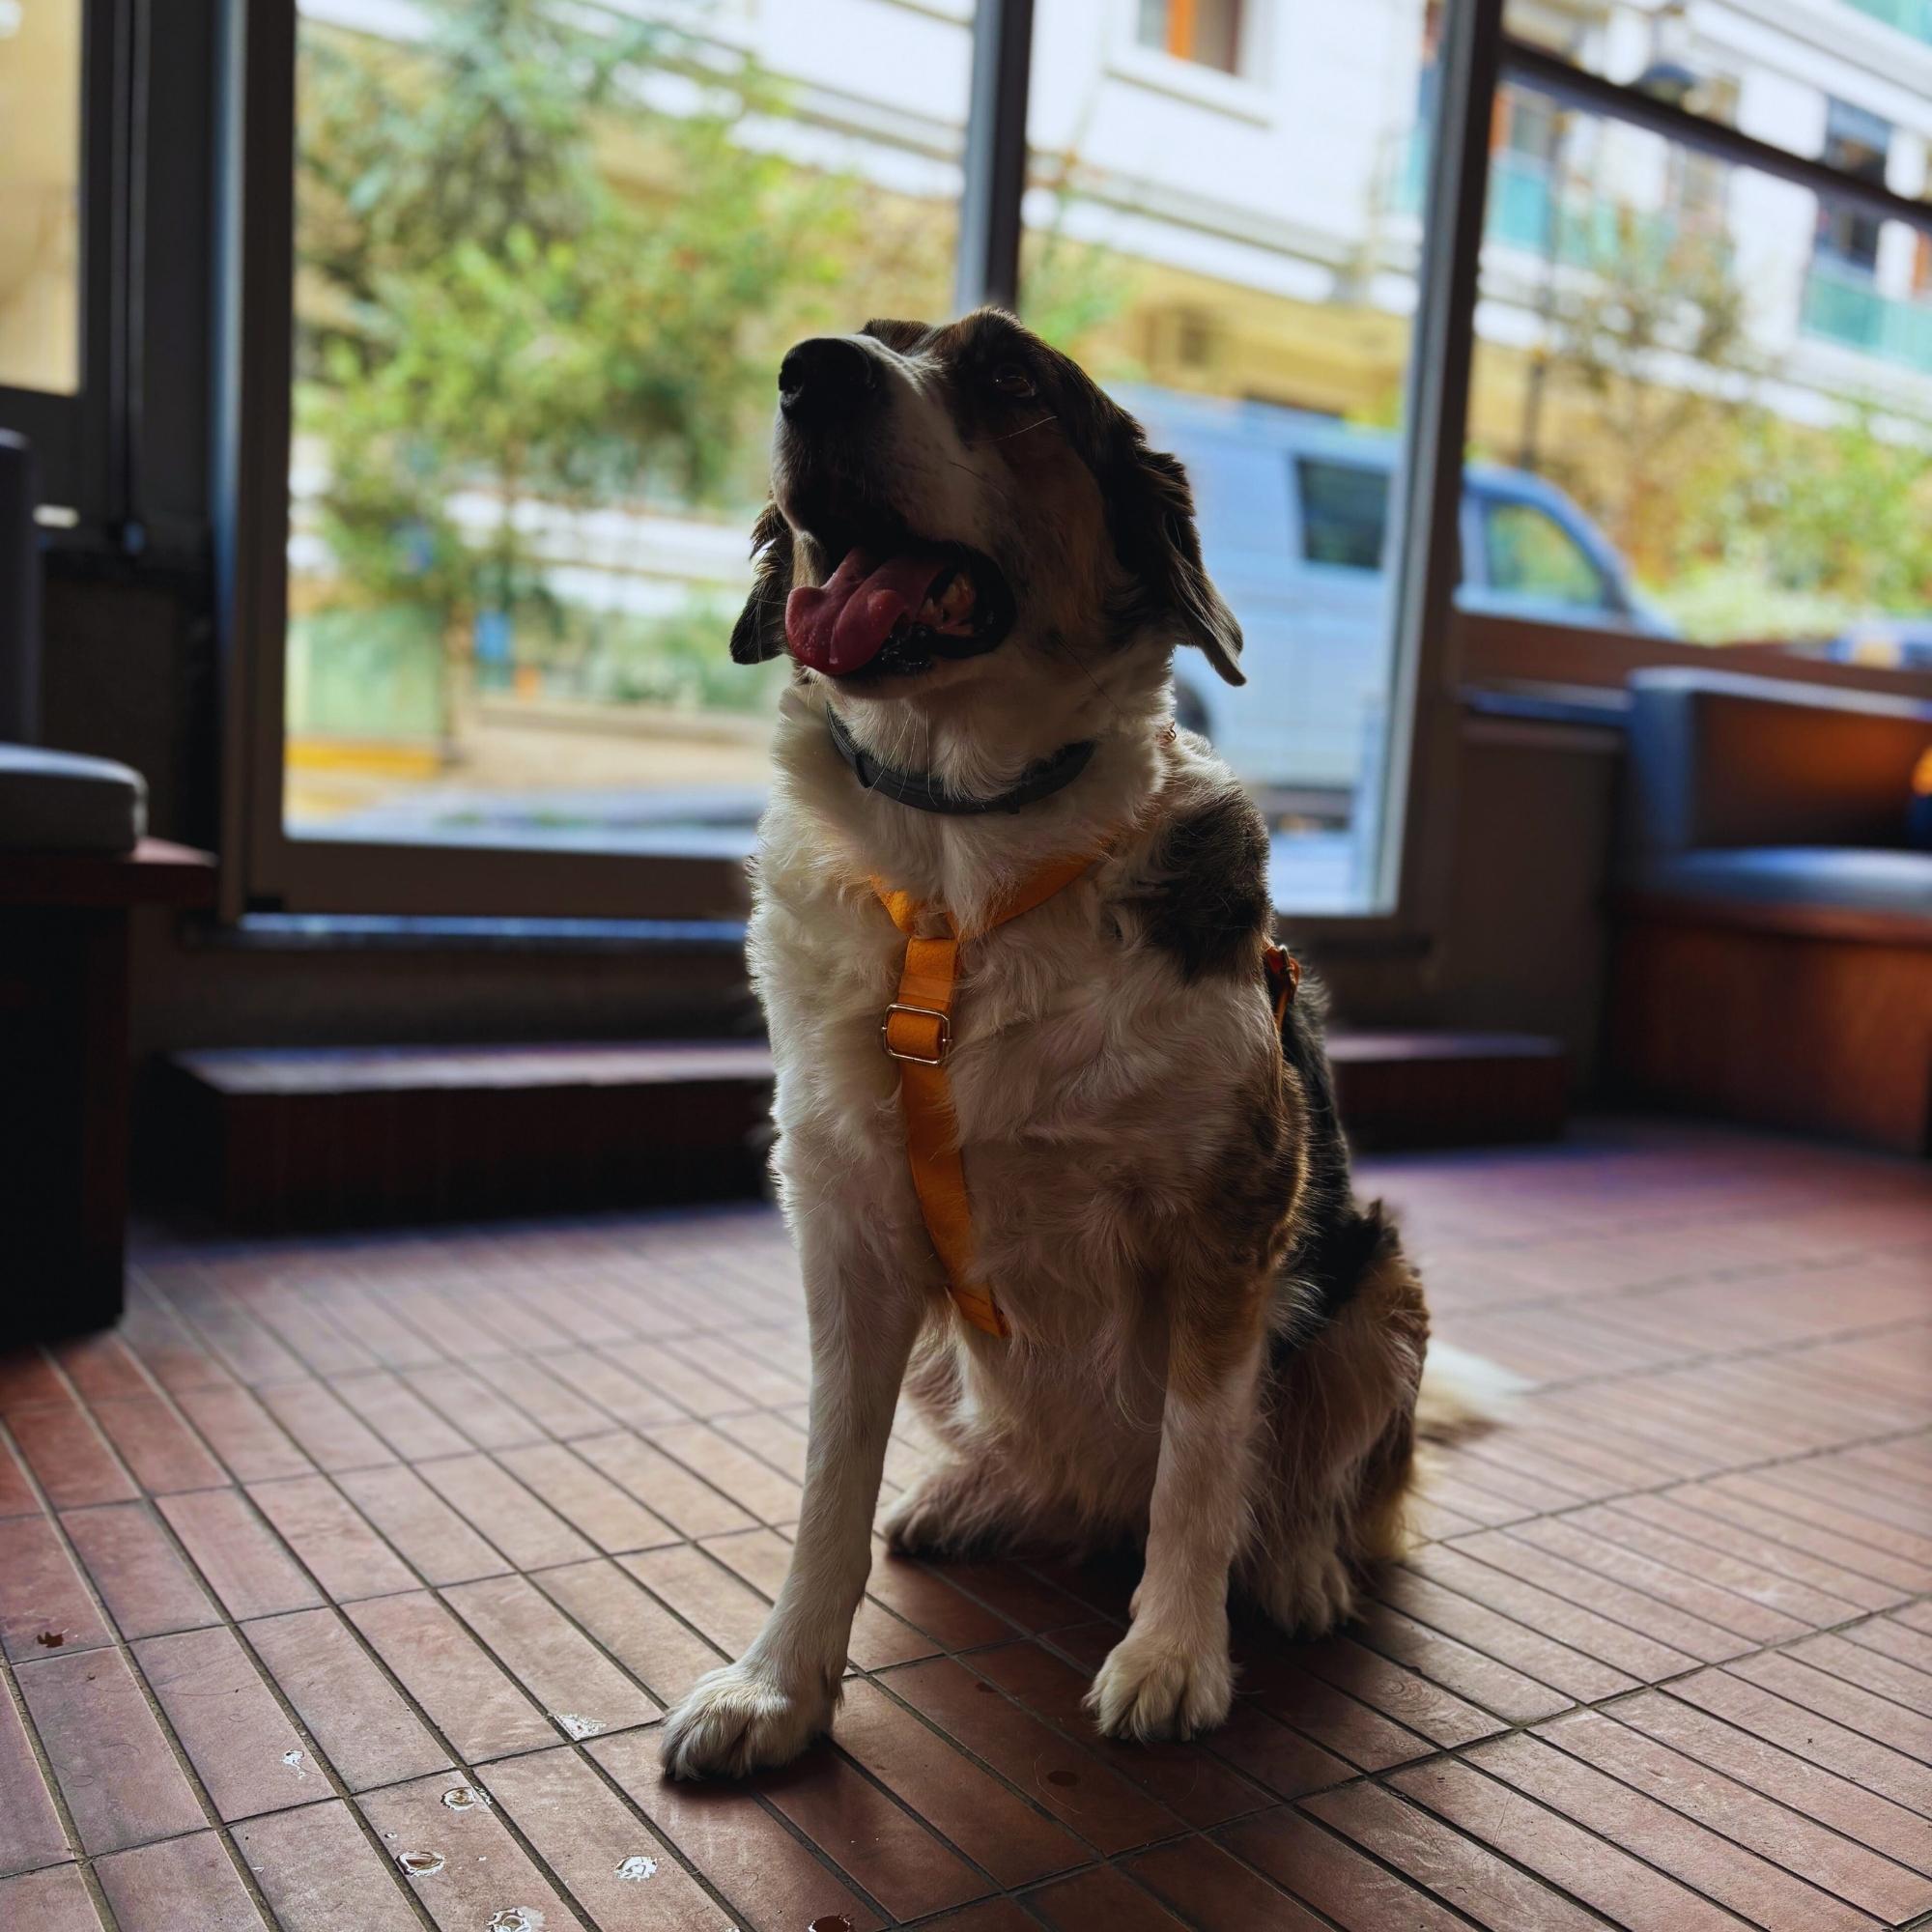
(1215, 1349)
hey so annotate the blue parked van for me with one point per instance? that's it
(1294, 526)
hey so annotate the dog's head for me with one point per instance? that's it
(961, 503)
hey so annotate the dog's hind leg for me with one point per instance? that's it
(957, 1509)
(1329, 1498)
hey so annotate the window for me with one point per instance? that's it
(1737, 415)
(1528, 554)
(1229, 275)
(1343, 513)
(1858, 142)
(545, 267)
(39, 195)
(1206, 32)
(534, 345)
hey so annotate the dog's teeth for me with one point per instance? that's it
(950, 603)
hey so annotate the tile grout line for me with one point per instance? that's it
(1043, 1639)
(459, 1759)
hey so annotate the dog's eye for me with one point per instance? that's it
(1008, 379)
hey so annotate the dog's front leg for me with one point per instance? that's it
(767, 1707)
(1170, 1676)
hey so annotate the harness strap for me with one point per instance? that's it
(917, 1033)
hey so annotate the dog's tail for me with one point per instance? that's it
(1462, 1394)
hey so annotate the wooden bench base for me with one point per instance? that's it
(1796, 1020)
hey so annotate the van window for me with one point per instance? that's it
(1344, 512)
(1529, 554)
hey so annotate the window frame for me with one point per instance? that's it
(264, 868)
(1438, 650)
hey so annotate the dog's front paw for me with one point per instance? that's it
(737, 1720)
(1157, 1685)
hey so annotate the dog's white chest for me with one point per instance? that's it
(1087, 1091)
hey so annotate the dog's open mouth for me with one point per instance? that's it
(887, 613)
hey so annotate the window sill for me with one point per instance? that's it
(382, 932)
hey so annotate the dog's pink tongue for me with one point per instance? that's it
(845, 622)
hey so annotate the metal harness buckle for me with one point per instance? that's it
(924, 1012)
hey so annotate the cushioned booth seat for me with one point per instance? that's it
(1774, 935)
(61, 801)
(1845, 877)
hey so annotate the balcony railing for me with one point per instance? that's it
(1587, 231)
(1843, 307)
(1909, 17)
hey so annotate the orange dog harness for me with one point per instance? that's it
(917, 1031)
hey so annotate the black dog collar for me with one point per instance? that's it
(925, 793)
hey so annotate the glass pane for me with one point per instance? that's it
(1528, 553)
(1716, 392)
(1790, 72)
(1233, 254)
(39, 195)
(549, 257)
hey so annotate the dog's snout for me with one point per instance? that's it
(826, 376)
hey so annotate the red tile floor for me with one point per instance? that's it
(342, 1585)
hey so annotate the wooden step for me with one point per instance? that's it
(1442, 1089)
(354, 1136)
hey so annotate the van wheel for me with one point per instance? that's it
(1190, 713)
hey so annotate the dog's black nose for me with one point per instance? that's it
(825, 377)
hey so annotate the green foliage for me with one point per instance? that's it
(1650, 293)
(672, 660)
(1824, 525)
(485, 311)
(545, 263)
(1739, 522)
(1071, 291)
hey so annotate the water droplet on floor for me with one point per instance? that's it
(637, 1867)
(294, 1760)
(831, 1921)
(51, 1639)
(986, 1690)
(575, 1726)
(465, 1798)
(1063, 1777)
(420, 1864)
(517, 1918)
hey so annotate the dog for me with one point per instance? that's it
(1182, 1326)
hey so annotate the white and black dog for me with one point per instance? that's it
(981, 572)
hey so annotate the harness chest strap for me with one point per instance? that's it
(917, 1031)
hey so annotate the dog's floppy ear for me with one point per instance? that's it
(1151, 508)
(761, 631)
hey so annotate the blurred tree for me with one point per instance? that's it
(1639, 299)
(546, 259)
(1743, 523)
(487, 323)
(1789, 530)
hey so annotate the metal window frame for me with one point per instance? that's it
(264, 868)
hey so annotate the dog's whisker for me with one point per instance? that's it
(1048, 417)
(998, 489)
